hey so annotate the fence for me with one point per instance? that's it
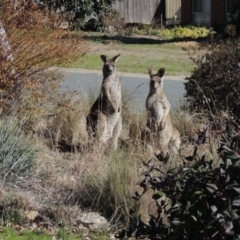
(144, 11)
(140, 11)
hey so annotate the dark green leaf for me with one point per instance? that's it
(189, 158)
(228, 226)
(236, 203)
(198, 193)
(212, 186)
(156, 196)
(194, 218)
(227, 148)
(214, 208)
(236, 189)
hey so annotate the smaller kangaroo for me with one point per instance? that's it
(159, 134)
(104, 121)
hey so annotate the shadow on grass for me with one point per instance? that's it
(139, 40)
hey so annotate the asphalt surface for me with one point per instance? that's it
(135, 87)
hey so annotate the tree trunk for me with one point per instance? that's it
(4, 44)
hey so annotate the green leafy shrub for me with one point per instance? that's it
(191, 32)
(85, 14)
(203, 199)
(214, 85)
(17, 151)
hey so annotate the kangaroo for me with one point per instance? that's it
(159, 134)
(104, 121)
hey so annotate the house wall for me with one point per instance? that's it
(140, 11)
(218, 12)
(172, 7)
(187, 12)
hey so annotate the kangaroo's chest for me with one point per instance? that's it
(112, 89)
(155, 102)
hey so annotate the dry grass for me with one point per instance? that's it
(63, 185)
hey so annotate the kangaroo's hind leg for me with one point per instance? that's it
(176, 140)
(102, 133)
(116, 132)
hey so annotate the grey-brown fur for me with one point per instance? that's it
(104, 121)
(159, 134)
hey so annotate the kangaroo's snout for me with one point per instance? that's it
(110, 68)
(156, 85)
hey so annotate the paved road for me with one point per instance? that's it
(134, 86)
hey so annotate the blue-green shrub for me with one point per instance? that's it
(17, 151)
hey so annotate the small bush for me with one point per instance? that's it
(214, 85)
(113, 22)
(57, 117)
(17, 151)
(191, 32)
(67, 122)
(200, 199)
(84, 14)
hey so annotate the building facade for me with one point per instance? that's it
(211, 13)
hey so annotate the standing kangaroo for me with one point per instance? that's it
(159, 134)
(104, 121)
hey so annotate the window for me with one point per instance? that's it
(197, 6)
(229, 10)
(202, 6)
(202, 12)
(229, 6)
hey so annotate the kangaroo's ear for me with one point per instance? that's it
(114, 59)
(161, 72)
(104, 58)
(150, 71)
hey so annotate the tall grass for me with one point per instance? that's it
(108, 189)
(189, 125)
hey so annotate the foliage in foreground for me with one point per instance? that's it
(200, 200)
(17, 151)
(214, 85)
(36, 43)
